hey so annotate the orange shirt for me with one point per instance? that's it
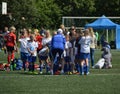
(39, 40)
(10, 38)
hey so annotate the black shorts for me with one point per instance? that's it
(55, 51)
(10, 49)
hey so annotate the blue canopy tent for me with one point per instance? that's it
(105, 23)
(118, 37)
(102, 23)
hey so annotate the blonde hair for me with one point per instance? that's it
(36, 30)
(91, 32)
(86, 32)
(12, 28)
(48, 32)
(62, 26)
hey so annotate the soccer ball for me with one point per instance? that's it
(32, 48)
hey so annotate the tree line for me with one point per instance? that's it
(48, 13)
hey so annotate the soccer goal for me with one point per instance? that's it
(80, 22)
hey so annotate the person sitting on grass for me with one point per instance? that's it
(105, 60)
(107, 55)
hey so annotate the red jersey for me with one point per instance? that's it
(10, 38)
(39, 40)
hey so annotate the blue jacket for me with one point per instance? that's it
(58, 42)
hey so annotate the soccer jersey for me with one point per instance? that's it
(32, 46)
(46, 41)
(39, 41)
(68, 45)
(85, 42)
(23, 44)
(10, 38)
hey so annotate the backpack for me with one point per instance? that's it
(17, 64)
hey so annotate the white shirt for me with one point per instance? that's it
(85, 42)
(68, 45)
(46, 41)
(23, 44)
(32, 46)
(93, 42)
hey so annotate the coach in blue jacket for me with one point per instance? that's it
(58, 45)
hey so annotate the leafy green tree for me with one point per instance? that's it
(49, 13)
(76, 7)
(21, 13)
(108, 8)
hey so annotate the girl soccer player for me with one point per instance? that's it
(85, 42)
(32, 49)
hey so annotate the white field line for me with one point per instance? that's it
(29, 76)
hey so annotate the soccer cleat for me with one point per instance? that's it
(93, 67)
(30, 72)
(41, 72)
(35, 73)
(82, 73)
(25, 71)
(70, 73)
(57, 73)
(48, 72)
(62, 72)
(87, 73)
(51, 72)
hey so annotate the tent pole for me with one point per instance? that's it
(107, 35)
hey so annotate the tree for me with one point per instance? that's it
(110, 8)
(76, 7)
(17, 10)
(49, 13)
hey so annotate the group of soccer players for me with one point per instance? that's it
(65, 52)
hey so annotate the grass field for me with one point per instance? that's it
(104, 81)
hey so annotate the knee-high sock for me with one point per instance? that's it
(47, 68)
(41, 68)
(33, 66)
(87, 69)
(77, 67)
(81, 69)
(9, 59)
(24, 65)
(12, 56)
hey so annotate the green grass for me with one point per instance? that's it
(104, 81)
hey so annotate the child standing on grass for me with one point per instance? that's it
(11, 45)
(67, 53)
(92, 46)
(85, 42)
(23, 48)
(44, 53)
(32, 49)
